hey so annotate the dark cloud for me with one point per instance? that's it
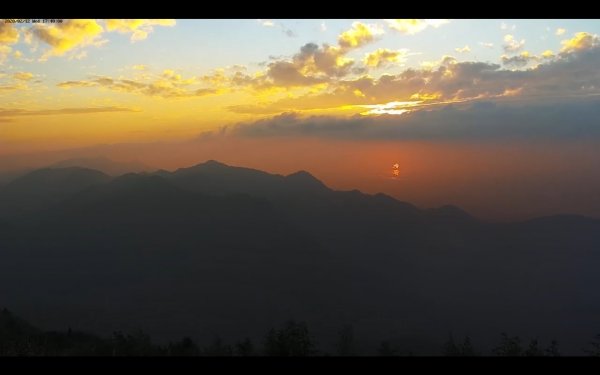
(573, 74)
(485, 120)
(519, 61)
(6, 114)
(169, 85)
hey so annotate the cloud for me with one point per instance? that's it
(10, 113)
(580, 42)
(483, 121)
(486, 45)
(4, 52)
(12, 87)
(313, 64)
(548, 54)
(464, 49)
(140, 67)
(138, 28)
(67, 36)
(505, 26)
(571, 74)
(560, 31)
(520, 60)
(266, 23)
(414, 26)
(23, 76)
(323, 26)
(169, 84)
(359, 35)
(511, 45)
(75, 34)
(8, 33)
(383, 56)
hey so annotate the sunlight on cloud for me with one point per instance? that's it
(511, 45)
(23, 76)
(413, 26)
(267, 23)
(359, 35)
(8, 33)
(383, 56)
(169, 84)
(581, 41)
(391, 108)
(139, 28)
(67, 36)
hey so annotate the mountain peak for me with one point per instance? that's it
(213, 163)
(304, 180)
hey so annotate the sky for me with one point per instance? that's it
(499, 117)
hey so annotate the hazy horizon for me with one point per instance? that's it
(498, 117)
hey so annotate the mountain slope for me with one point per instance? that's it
(207, 249)
(44, 187)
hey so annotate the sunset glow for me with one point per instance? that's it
(134, 88)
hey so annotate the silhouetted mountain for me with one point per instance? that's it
(8, 176)
(217, 178)
(210, 248)
(44, 187)
(108, 166)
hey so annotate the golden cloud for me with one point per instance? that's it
(413, 26)
(67, 36)
(168, 85)
(520, 60)
(449, 81)
(8, 33)
(581, 41)
(138, 28)
(384, 56)
(359, 35)
(23, 76)
(4, 52)
(511, 45)
(547, 54)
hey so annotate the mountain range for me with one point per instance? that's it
(220, 250)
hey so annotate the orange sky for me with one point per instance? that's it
(496, 116)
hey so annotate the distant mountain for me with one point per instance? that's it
(44, 187)
(216, 178)
(108, 166)
(8, 176)
(207, 249)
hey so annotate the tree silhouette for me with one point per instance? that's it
(451, 349)
(533, 350)
(345, 344)
(134, 344)
(509, 346)
(218, 349)
(552, 350)
(244, 348)
(184, 348)
(386, 349)
(467, 349)
(594, 347)
(293, 340)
